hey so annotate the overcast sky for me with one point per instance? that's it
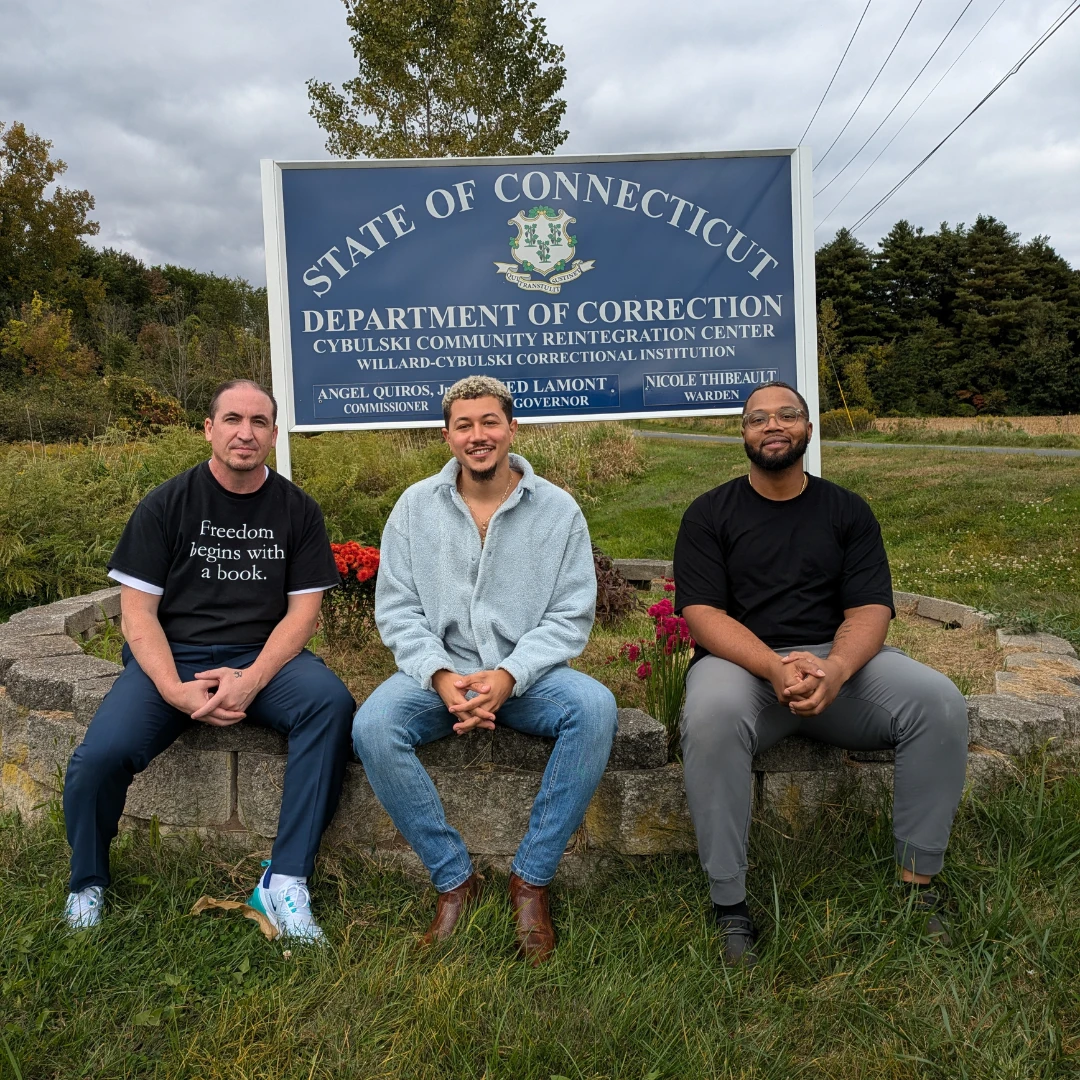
(163, 111)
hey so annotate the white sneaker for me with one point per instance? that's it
(84, 907)
(289, 909)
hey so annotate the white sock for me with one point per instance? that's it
(282, 881)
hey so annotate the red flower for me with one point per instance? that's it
(644, 670)
(662, 608)
(632, 653)
(669, 586)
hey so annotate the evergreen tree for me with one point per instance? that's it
(845, 275)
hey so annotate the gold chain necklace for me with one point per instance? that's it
(805, 481)
(483, 525)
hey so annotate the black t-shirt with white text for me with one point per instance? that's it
(785, 569)
(226, 562)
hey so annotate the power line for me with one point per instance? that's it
(1058, 23)
(871, 86)
(837, 71)
(948, 33)
(959, 56)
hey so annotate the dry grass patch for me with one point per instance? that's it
(968, 657)
(1030, 425)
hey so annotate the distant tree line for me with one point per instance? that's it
(962, 321)
(91, 338)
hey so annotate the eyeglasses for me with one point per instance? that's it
(785, 417)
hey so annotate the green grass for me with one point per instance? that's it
(993, 433)
(999, 532)
(845, 988)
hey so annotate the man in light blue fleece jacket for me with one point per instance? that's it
(486, 589)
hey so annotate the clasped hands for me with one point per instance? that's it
(489, 689)
(218, 697)
(807, 684)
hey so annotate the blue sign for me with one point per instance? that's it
(595, 289)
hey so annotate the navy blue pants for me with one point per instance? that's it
(305, 701)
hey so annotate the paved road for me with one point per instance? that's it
(1038, 451)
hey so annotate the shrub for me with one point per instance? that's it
(835, 423)
(348, 612)
(615, 596)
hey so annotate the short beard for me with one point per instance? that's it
(485, 476)
(777, 462)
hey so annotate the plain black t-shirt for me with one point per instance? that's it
(225, 561)
(784, 569)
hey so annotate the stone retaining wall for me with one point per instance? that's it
(227, 781)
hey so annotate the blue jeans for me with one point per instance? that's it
(305, 701)
(575, 710)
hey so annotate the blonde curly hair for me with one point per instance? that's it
(477, 386)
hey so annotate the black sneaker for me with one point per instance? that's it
(739, 939)
(930, 905)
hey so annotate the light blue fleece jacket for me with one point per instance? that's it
(524, 601)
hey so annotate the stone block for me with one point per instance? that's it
(19, 791)
(88, 696)
(949, 613)
(1036, 643)
(906, 601)
(1054, 664)
(796, 795)
(643, 572)
(516, 750)
(360, 824)
(985, 766)
(866, 757)
(489, 806)
(38, 621)
(1011, 725)
(184, 787)
(260, 779)
(797, 754)
(640, 742)
(15, 646)
(49, 682)
(235, 738)
(461, 750)
(866, 783)
(641, 812)
(12, 730)
(50, 739)
(1044, 677)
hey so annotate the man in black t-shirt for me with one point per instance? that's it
(221, 572)
(783, 580)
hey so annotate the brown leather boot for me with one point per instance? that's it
(532, 920)
(450, 907)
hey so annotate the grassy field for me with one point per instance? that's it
(1033, 431)
(997, 532)
(845, 987)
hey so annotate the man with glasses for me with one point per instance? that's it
(784, 582)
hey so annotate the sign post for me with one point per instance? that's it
(597, 288)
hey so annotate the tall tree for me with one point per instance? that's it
(444, 77)
(40, 232)
(845, 276)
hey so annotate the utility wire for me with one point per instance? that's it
(948, 33)
(1058, 23)
(837, 71)
(871, 86)
(959, 56)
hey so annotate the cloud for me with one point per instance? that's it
(164, 112)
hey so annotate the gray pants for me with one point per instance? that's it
(892, 703)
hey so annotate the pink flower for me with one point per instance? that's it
(632, 653)
(662, 608)
(644, 670)
(669, 586)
